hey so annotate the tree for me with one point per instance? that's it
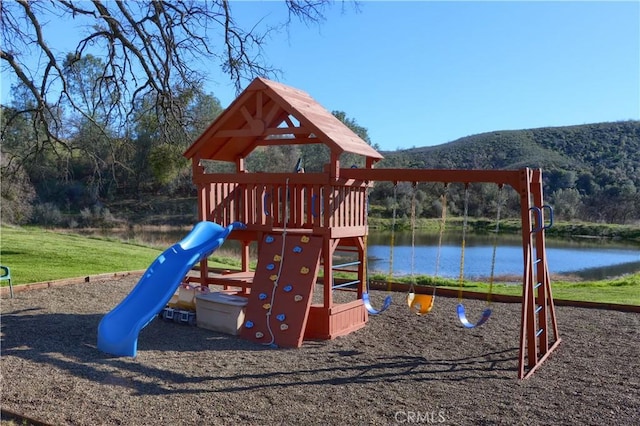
(150, 49)
(16, 192)
(115, 107)
(155, 158)
(317, 155)
(566, 203)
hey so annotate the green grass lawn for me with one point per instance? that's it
(622, 290)
(37, 255)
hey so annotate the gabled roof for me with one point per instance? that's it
(266, 113)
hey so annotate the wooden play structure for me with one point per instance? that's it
(302, 222)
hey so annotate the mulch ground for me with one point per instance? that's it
(399, 369)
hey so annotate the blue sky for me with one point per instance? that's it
(426, 73)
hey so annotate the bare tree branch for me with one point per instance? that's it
(153, 48)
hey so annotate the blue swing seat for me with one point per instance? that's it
(371, 309)
(462, 316)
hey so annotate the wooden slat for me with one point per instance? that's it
(508, 177)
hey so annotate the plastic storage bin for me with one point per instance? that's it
(220, 311)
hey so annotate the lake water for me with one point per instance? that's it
(588, 259)
(585, 258)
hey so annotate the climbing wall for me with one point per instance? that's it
(278, 305)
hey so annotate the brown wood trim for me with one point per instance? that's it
(4, 291)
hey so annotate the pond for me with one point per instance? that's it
(584, 258)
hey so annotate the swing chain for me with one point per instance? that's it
(393, 231)
(495, 241)
(414, 187)
(464, 237)
(443, 221)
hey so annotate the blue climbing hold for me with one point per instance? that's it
(288, 288)
(248, 324)
(262, 296)
(280, 317)
(270, 266)
(297, 249)
(269, 239)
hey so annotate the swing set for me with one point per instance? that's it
(462, 315)
(538, 320)
(300, 221)
(421, 303)
(418, 303)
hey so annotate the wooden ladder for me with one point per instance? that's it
(539, 330)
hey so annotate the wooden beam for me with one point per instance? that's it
(283, 141)
(287, 131)
(272, 113)
(246, 114)
(237, 133)
(508, 177)
(259, 105)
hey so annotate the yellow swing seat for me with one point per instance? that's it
(420, 304)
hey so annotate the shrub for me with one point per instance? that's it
(46, 214)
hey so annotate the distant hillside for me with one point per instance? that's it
(591, 171)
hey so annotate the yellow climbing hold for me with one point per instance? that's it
(304, 239)
(304, 270)
(277, 258)
(273, 277)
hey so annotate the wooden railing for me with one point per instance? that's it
(263, 201)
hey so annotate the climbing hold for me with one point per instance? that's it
(248, 324)
(259, 335)
(267, 306)
(273, 277)
(304, 239)
(270, 267)
(262, 296)
(277, 258)
(304, 270)
(297, 249)
(269, 239)
(280, 317)
(297, 297)
(288, 288)
(283, 327)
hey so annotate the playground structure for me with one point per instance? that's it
(302, 221)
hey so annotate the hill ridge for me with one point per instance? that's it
(594, 166)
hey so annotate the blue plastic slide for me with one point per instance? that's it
(118, 330)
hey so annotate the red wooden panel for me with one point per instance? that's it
(278, 305)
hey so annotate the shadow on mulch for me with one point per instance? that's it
(67, 342)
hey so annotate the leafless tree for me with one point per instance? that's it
(148, 49)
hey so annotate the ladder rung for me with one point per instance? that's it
(537, 285)
(535, 262)
(347, 284)
(538, 309)
(353, 271)
(539, 332)
(342, 265)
